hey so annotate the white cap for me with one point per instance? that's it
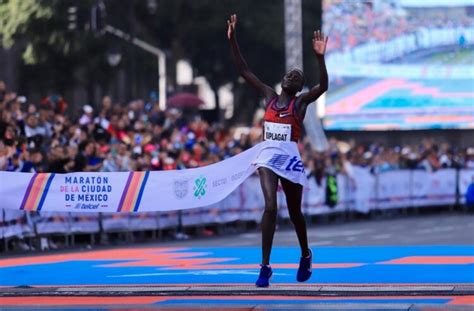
(21, 99)
(88, 109)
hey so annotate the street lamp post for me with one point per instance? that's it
(114, 57)
(294, 58)
(151, 49)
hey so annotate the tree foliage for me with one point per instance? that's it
(16, 16)
(196, 30)
(55, 58)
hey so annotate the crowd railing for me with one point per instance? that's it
(363, 192)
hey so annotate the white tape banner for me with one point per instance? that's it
(147, 191)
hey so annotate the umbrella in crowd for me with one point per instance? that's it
(185, 100)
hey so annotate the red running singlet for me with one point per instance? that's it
(281, 124)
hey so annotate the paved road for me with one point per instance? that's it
(410, 263)
(428, 229)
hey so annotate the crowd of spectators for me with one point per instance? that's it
(427, 156)
(355, 22)
(42, 137)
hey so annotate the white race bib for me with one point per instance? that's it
(277, 131)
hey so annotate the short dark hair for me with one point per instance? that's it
(300, 72)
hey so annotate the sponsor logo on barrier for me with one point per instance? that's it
(237, 176)
(279, 161)
(219, 182)
(83, 192)
(180, 188)
(200, 187)
(418, 185)
(86, 206)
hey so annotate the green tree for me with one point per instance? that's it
(55, 59)
(15, 16)
(196, 30)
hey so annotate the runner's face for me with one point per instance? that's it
(292, 81)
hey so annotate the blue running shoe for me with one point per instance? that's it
(264, 276)
(305, 269)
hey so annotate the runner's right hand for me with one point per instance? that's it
(231, 26)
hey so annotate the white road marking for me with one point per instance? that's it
(381, 236)
(320, 243)
(201, 272)
(342, 233)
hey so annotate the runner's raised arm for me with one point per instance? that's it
(241, 64)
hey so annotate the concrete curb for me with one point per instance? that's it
(242, 290)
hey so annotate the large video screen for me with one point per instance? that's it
(399, 64)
